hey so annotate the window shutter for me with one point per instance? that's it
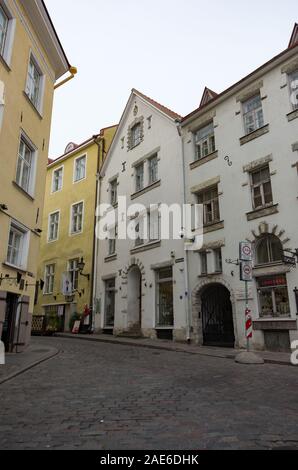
(23, 327)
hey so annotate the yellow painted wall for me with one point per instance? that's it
(69, 247)
(20, 114)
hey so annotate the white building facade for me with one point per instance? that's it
(241, 157)
(140, 283)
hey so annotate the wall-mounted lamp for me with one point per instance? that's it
(3, 207)
(81, 267)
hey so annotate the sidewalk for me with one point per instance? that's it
(223, 353)
(17, 364)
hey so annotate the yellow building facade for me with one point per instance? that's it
(66, 262)
(31, 61)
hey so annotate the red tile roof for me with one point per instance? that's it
(159, 106)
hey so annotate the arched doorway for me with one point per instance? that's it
(217, 316)
(134, 300)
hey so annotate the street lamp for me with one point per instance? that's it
(81, 267)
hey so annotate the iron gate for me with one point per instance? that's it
(217, 317)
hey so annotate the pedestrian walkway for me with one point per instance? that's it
(16, 364)
(224, 353)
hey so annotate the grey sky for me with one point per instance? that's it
(168, 49)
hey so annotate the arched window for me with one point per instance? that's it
(269, 250)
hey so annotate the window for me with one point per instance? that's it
(205, 141)
(154, 228)
(273, 296)
(293, 79)
(261, 188)
(34, 83)
(204, 263)
(77, 218)
(57, 180)
(153, 169)
(114, 192)
(110, 293)
(49, 279)
(16, 247)
(74, 273)
(4, 20)
(25, 167)
(218, 260)
(112, 241)
(165, 304)
(80, 168)
(253, 114)
(139, 228)
(140, 177)
(136, 135)
(209, 200)
(53, 226)
(269, 249)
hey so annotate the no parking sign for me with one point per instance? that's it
(245, 251)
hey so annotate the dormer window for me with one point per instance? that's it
(205, 141)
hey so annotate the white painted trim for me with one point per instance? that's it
(25, 244)
(40, 103)
(34, 150)
(10, 32)
(74, 168)
(58, 211)
(71, 234)
(52, 183)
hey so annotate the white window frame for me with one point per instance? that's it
(24, 248)
(6, 52)
(218, 260)
(58, 228)
(158, 283)
(136, 142)
(150, 179)
(293, 91)
(41, 89)
(207, 140)
(253, 113)
(140, 165)
(214, 202)
(54, 191)
(45, 291)
(71, 233)
(31, 189)
(112, 241)
(75, 181)
(73, 271)
(203, 263)
(261, 186)
(114, 200)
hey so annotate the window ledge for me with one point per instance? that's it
(202, 161)
(254, 135)
(23, 191)
(32, 105)
(262, 212)
(15, 268)
(149, 246)
(145, 190)
(110, 258)
(214, 226)
(292, 115)
(4, 63)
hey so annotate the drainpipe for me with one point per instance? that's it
(186, 257)
(99, 142)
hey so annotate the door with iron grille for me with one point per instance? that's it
(217, 317)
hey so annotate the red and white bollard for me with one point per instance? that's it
(248, 324)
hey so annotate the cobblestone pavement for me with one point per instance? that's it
(106, 397)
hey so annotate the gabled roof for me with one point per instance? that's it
(208, 95)
(294, 37)
(157, 105)
(284, 55)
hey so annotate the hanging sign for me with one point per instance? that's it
(246, 271)
(245, 251)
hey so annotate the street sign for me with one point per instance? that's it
(246, 271)
(245, 251)
(289, 260)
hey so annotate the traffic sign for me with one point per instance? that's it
(289, 260)
(245, 251)
(246, 271)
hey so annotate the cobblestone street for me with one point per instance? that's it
(104, 396)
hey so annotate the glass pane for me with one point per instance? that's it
(165, 273)
(262, 252)
(282, 300)
(267, 192)
(166, 311)
(266, 302)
